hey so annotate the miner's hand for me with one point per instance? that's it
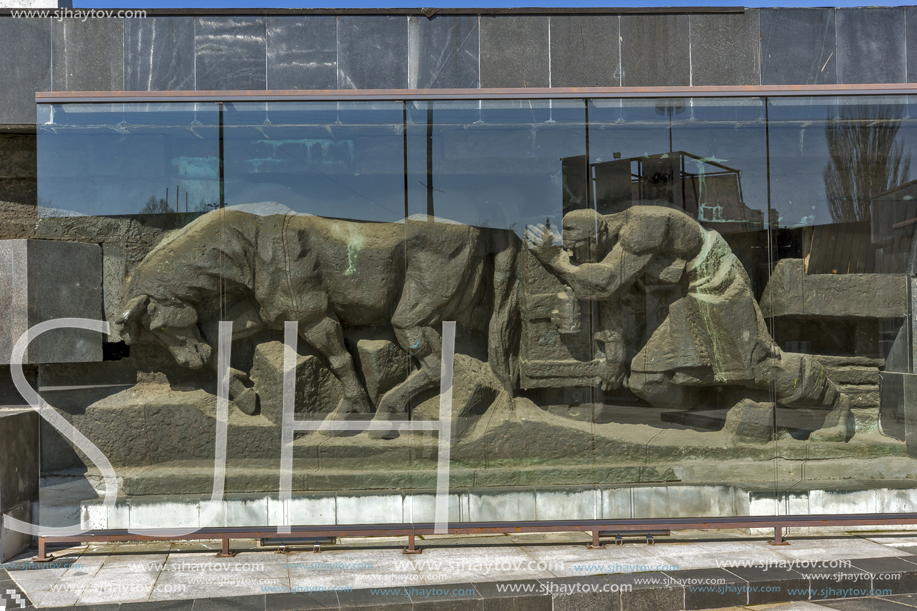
(543, 242)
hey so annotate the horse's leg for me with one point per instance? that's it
(326, 337)
(424, 344)
(241, 390)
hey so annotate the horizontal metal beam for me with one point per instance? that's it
(533, 93)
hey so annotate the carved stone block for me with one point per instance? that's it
(750, 422)
(384, 365)
(792, 292)
(317, 390)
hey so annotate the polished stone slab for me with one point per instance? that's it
(18, 471)
(514, 51)
(25, 38)
(798, 46)
(585, 593)
(443, 52)
(158, 605)
(301, 52)
(230, 53)
(649, 591)
(235, 603)
(911, 28)
(159, 54)
(655, 51)
(584, 51)
(499, 599)
(372, 52)
(301, 601)
(87, 55)
(772, 584)
(724, 49)
(42, 280)
(895, 575)
(731, 590)
(870, 45)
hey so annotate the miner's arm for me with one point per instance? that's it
(604, 280)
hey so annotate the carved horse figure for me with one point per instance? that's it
(263, 271)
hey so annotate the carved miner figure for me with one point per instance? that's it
(715, 335)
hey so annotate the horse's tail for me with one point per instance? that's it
(504, 332)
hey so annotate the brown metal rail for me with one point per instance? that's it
(555, 93)
(411, 531)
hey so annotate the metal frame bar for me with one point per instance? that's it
(533, 93)
(778, 523)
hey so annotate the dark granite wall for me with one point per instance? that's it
(761, 46)
(18, 445)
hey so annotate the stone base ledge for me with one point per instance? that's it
(62, 507)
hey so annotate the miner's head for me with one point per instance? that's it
(586, 235)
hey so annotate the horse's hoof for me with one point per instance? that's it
(382, 433)
(382, 429)
(330, 432)
(325, 428)
(835, 433)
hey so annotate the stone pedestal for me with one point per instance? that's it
(41, 280)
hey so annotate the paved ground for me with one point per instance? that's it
(902, 602)
(102, 575)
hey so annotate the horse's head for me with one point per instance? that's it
(173, 324)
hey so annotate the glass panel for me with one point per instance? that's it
(662, 308)
(682, 185)
(839, 299)
(333, 159)
(120, 159)
(479, 174)
(116, 181)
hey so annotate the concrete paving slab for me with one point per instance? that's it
(183, 571)
(573, 560)
(865, 604)
(64, 593)
(799, 606)
(117, 587)
(480, 564)
(836, 549)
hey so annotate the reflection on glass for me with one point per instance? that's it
(663, 308)
(118, 159)
(839, 288)
(867, 158)
(339, 160)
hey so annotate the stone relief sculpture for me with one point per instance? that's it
(262, 271)
(557, 381)
(714, 335)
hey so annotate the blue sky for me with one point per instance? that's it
(452, 3)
